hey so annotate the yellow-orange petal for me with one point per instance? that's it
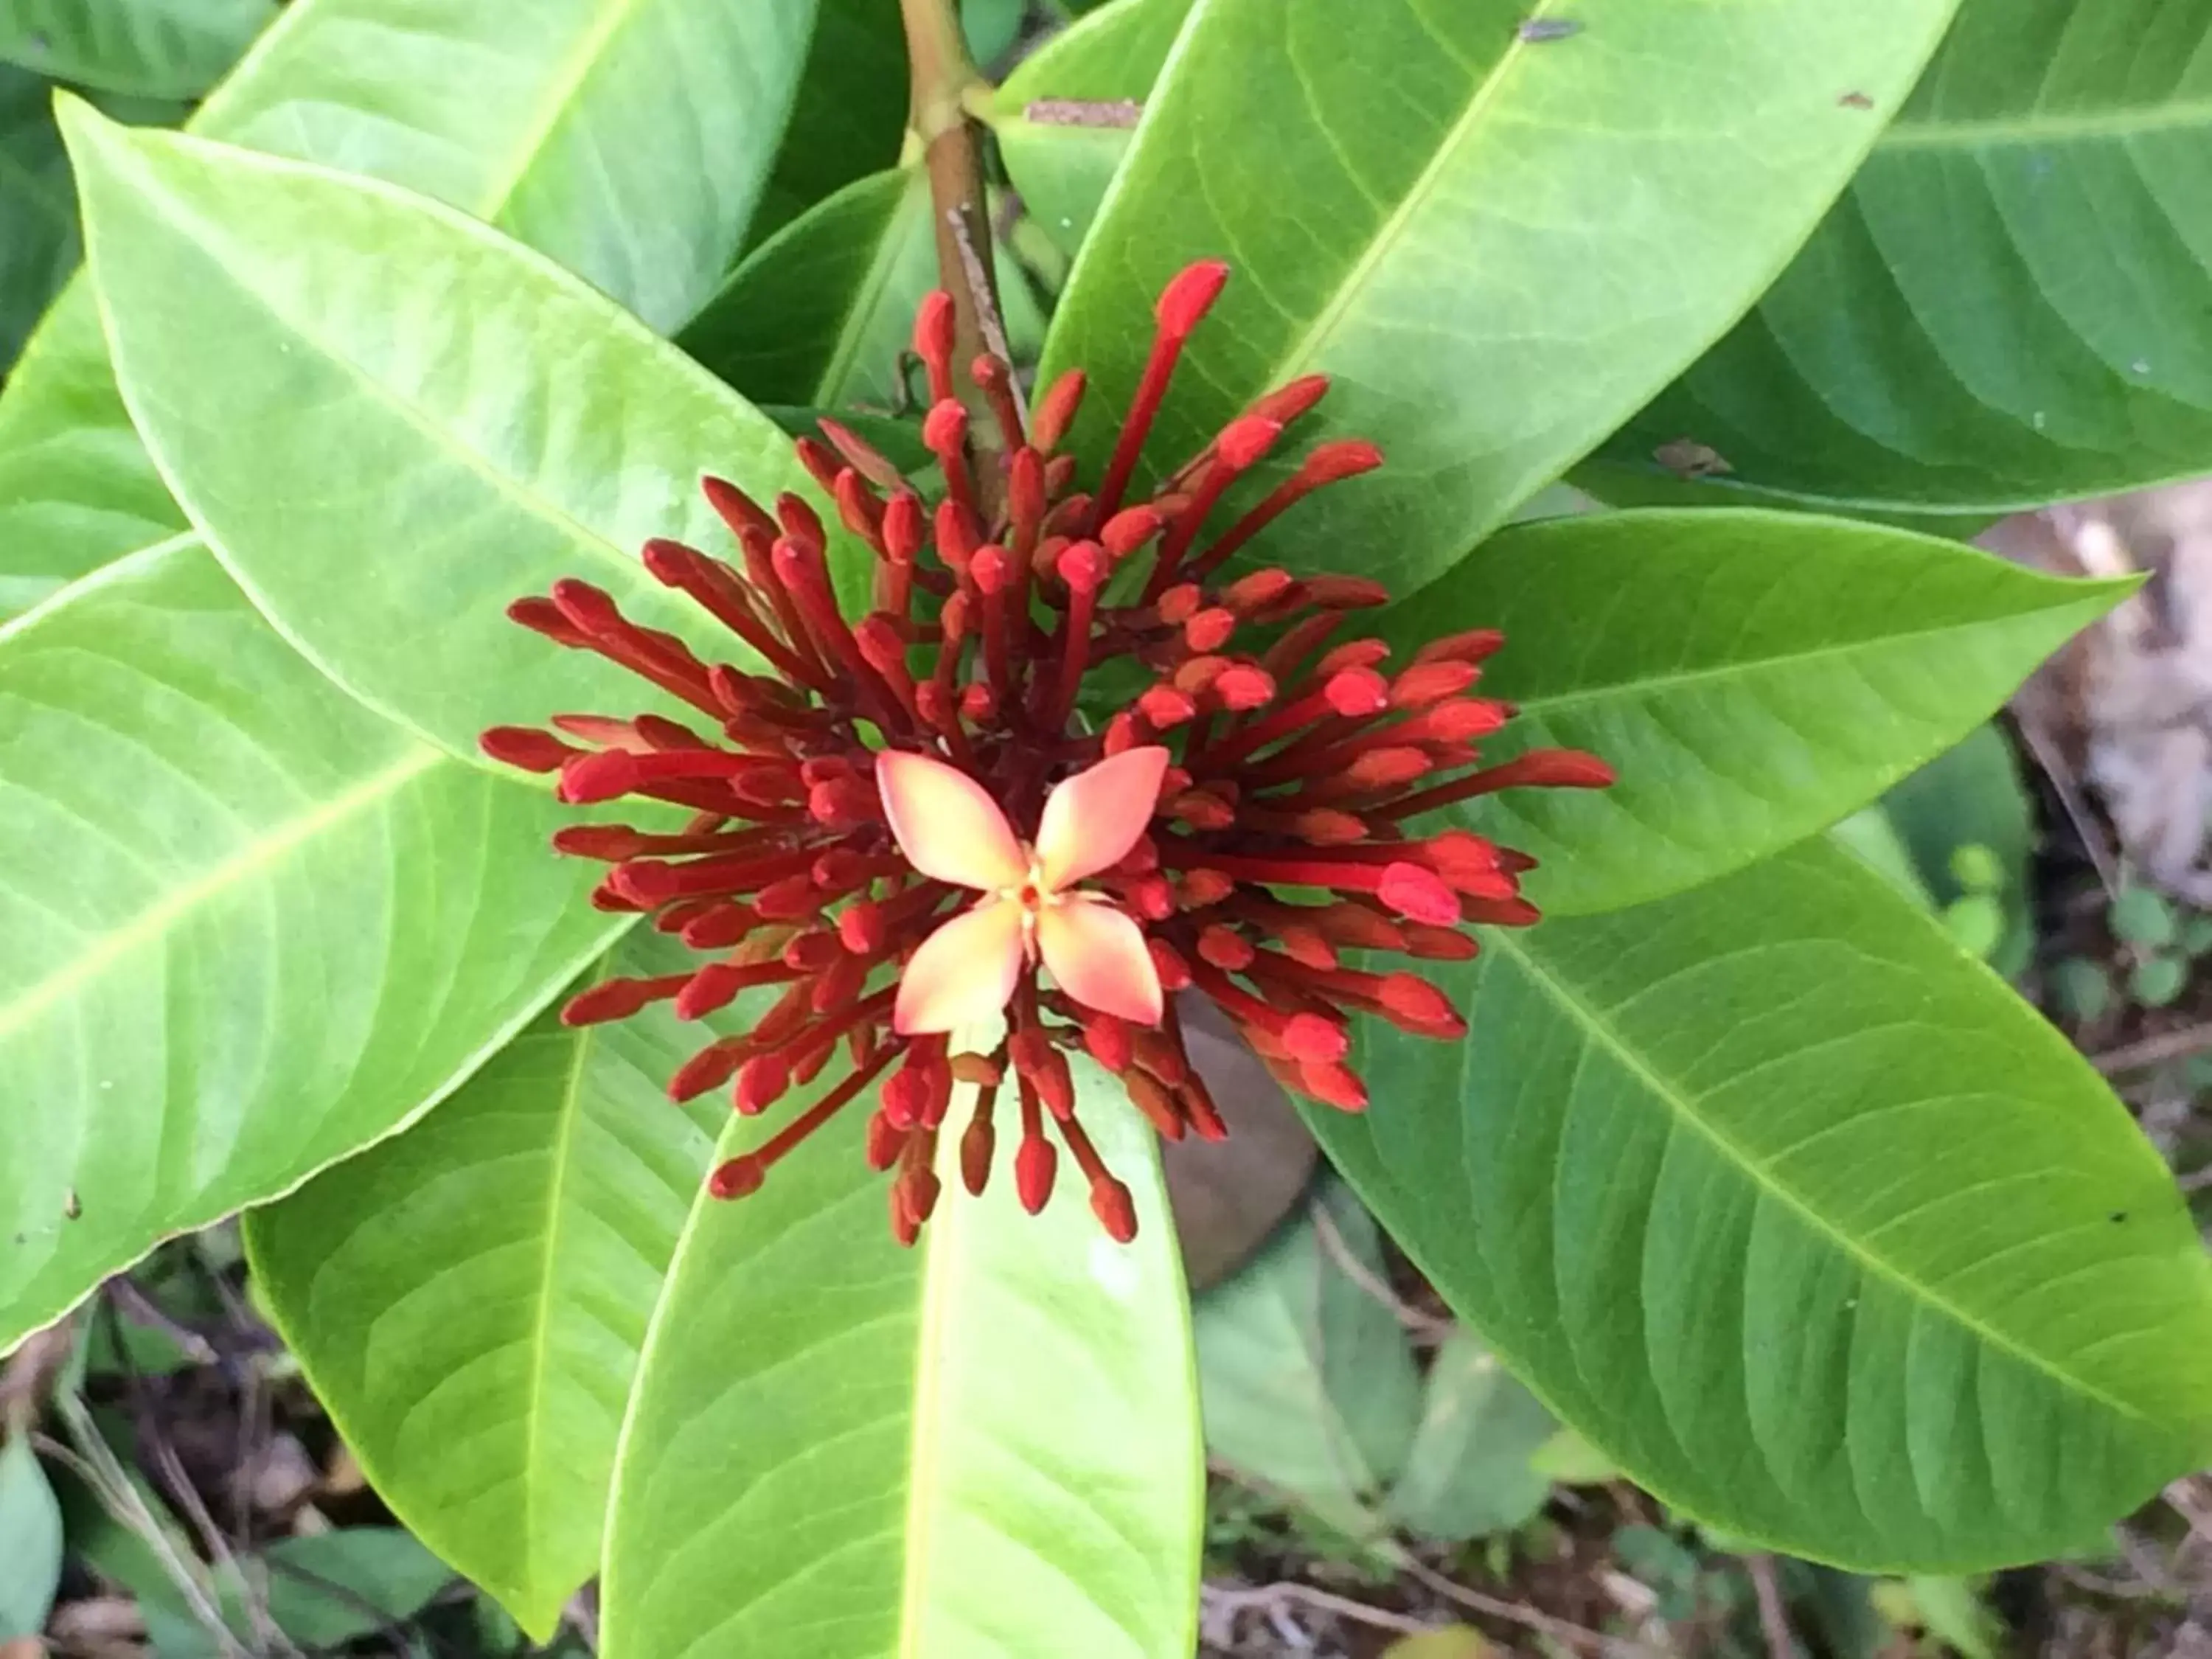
(946, 824)
(1092, 819)
(1098, 956)
(963, 972)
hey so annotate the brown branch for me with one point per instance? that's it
(2155, 1050)
(1516, 1613)
(952, 153)
(1267, 1597)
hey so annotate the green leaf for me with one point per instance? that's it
(987, 1445)
(1970, 802)
(251, 928)
(1804, 1219)
(820, 314)
(345, 384)
(468, 1299)
(2144, 916)
(1571, 1461)
(2007, 307)
(849, 112)
(326, 1590)
(1471, 1471)
(1063, 118)
(2083, 990)
(30, 1540)
(626, 139)
(1500, 245)
(1869, 836)
(1308, 1385)
(2157, 981)
(1949, 1608)
(1751, 677)
(40, 248)
(145, 48)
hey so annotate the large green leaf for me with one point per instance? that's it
(250, 927)
(350, 388)
(820, 315)
(983, 1449)
(625, 138)
(2008, 306)
(145, 48)
(1798, 1213)
(1500, 238)
(40, 246)
(1751, 676)
(1060, 117)
(850, 113)
(468, 1299)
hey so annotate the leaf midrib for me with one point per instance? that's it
(541, 1346)
(1384, 240)
(168, 912)
(582, 62)
(2072, 126)
(1599, 1031)
(1673, 679)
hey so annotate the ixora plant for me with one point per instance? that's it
(907, 780)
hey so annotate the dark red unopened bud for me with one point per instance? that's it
(740, 1177)
(1419, 895)
(1036, 1163)
(527, 747)
(1190, 295)
(1116, 1209)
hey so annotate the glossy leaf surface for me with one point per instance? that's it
(1799, 1214)
(145, 48)
(386, 465)
(983, 1449)
(1499, 239)
(251, 927)
(2007, 307)
(1751, 677)
(627, 139)
(1064, 117)
(847, 115)
(822, 315)
(470, 1298)
(1469, 1472)
(40, 246)
(819, 314)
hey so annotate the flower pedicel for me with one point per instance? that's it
(900, 820)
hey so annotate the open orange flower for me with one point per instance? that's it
(1274, 804)
(951, 830)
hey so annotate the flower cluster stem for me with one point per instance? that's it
(952, 153)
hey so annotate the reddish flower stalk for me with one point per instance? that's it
(1237, 829)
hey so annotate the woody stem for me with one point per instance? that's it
(951, 147)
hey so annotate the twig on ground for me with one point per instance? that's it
(1773, 1616)
(1517, 1613)
(2158, 1050)
(1267, 1597)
